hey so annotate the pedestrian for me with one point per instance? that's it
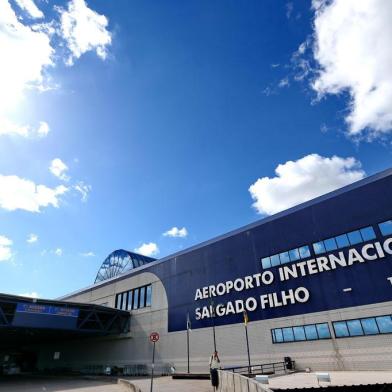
(214, 366)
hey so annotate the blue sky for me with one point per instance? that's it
(122, 120)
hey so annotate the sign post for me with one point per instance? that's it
(154, 337)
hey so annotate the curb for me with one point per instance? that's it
(128, 385)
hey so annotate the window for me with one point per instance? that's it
(330, 244)
(266, 262)
(275, 260)
(148, 295)
(130, 299)
(384, 324)
(369, 326)
(136, 298)
(284, 258)
(304, 251)
(341, 329)
(124, 301)
(368, 233)
(318, 247)
(323, 331)
(118, 301)
(311, 332)
(364, 326)
(294, 254)
(386, 227)
(301, 333)
(342, 241)
(354, 237)
(354, 328)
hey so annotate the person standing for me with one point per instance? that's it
(214, 366)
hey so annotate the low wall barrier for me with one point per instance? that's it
(235, 382)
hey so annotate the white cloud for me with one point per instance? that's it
(5, 248)
(19, 193)
(302, 180)
(32, 294)
(352, 46)
(150, 249)
(83, 189)
(32, 238)
(43, 129)
(83, 30)
(58, 252)
(30, 7)
(176, 232)
(26, 53)
(58, 168)
(88, 254)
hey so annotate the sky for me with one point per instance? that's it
(152, 126)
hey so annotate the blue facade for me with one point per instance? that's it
(358, 206)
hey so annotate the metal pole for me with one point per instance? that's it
(213, 323)
(187, 344)
(213, 331)
(152, 367)
(247, 347)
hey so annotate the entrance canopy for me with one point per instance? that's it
(27, 320)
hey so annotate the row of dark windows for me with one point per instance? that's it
(137, 298)
(341, 241)
(342, 329)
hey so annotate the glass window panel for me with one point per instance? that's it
(354, 237)
(278, 335)
(142, 297)
(310, 331)
(368, 233)
(130, 299)
(284, 257)
(369, 326)
(304, 251)
(330, 244)
(288, 335)
(135, 299)
(124, 301)
(275, 260)
(386, 227)
(354, 328)
(118, 301)
(323, 331)
(341, 329)
(299, 333)
(318, 247)
(342, 241)
(384, 324)
(148, 295)
(294, 254)
(266, 262)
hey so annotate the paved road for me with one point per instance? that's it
(56, 385)
(161, 384)
(166, 384)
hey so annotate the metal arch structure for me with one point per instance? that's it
(119, 262)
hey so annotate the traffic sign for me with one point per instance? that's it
(154, 337)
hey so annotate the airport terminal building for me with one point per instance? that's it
(315, 282)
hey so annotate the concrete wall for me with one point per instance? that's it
(356, 353)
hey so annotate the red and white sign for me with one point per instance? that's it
(154, 337)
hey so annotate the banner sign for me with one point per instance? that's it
(45, 316)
